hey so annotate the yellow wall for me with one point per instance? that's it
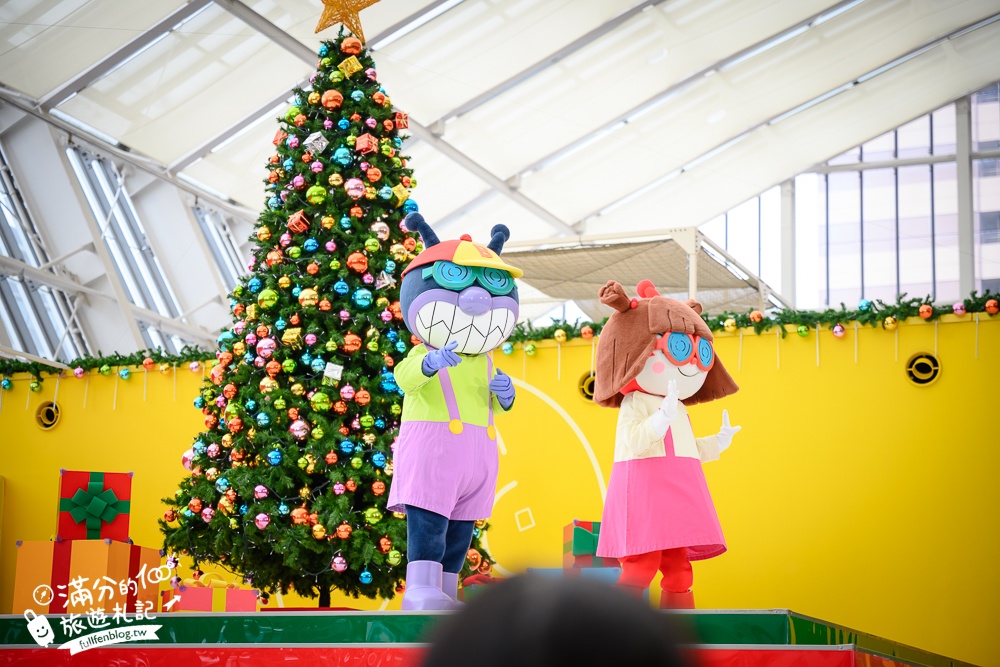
(850, 495)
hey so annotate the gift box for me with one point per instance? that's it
(580, 546)
(74, 576)
(365, 144)
(209, 593)
(94, 505)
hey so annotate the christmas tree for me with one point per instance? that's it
(289, 481)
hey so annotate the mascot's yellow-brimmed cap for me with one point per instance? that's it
(461, 251)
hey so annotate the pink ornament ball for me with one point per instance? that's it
(330, 246)
(239, 328)
(79, 372)
(207, 514)
(958, 309)
(386, 315)
(221, 401)
(338, 564)
(260, 491)
(347, 392)
(259, 362)
(195, 367)
(187, 458)
(402, 226)
(316, 167)
(371, 74)
(298, 182)
(285, 240)
(261, 520)
(344, 316)
(251, 263)
(266, 347)
(838, 330)
(370, 122)
(364, 166)
(251, 339)
(339, 489)
(293, 142)
(368, 279)
(213, 450)
(327, 124)
(310, 339)
(283, 194)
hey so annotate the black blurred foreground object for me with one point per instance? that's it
(532, 621)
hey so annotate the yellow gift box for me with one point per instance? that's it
(75, 576)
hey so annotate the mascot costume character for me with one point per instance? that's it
(655, 357)
(459, 299)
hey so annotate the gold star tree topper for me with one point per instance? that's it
(346, 12)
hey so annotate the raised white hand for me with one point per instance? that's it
(726, 433)
(668, 409)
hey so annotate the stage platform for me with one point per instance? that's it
(726, 638)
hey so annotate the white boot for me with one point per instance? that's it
(423, 587)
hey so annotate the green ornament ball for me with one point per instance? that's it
(335, 265)
(288, 365)
(294, 252)
(530, 349)
(267, 298)
(356, 462)
(367, 421)
(803, 330)
(394, 557)
(320, 402)
(104, 370)
(35, 386)
(372, 516)
(279, 404)
(372, 245)
(316, 194)
(292, 112)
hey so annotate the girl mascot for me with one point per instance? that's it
(654, 358)
(459, 299)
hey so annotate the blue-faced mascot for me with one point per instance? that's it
(459, 299)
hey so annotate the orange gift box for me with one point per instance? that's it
(209, 593)
(75, 576)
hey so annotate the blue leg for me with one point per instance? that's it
(457, 541)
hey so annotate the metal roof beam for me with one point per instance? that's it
(17, 269)
(114, 60)
(548, 61)
(25, 103)
(269, 30)
(777, 118)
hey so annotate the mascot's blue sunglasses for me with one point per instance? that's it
(680, 349)
(457, 277)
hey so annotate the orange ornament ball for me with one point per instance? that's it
(294, 319)
(374, 174)
(351, 485)
(330, 458)
(926, 310)
(332, 99)
(352, 343)
(410, 243)
(300, 120)
(586, 332)
(148, 363)
(272, 368)
(378, 487)
(325, 304)
(414, 340)
(357, 262)
(312, 269)
(992, 307)
(351, 46)
(263, 331)
(300, 517)
(340, 408)
(362, 397)
(756, 316)
(344, 531)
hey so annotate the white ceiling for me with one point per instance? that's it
(555, 117)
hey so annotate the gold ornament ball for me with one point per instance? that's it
(318, 531)
(304, 492)
(889, 323)
(729, 325)
(560, 336)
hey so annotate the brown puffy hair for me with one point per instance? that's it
(629, 337)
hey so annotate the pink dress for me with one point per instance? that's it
(658, 497)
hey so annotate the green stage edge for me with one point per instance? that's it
(777, 627)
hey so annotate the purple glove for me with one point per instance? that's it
(503, 388)
(438, 359)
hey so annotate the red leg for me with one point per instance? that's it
(677, 579)
(638, 571)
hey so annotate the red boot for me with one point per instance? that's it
(671, 600)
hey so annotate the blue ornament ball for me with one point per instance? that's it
(280, 324)
(199, 402)
(357, 95)
(7, 384)
(274, 457)
(397, 142)
(379, 423)
(365, 577)
(864, 305)
(222, 485)
(342, 156)
(476, 532)
(507, 348)
(385, 192)
(254, 285)
(323, 50)
(345, 222)
(362, 298)
(306, 358)
(390, 266)
(250, 404)
(274, 203)
(198, 447)
(296, 291)
(341, 287)
(311, 245)
(393, 336)
(344, 124)
(288, 164)
(244, 509)
(347, 447)
(248, 358)
(400, 346)
(283, 509)
(263, 419)
(378, 459)
(388, 383)
(410, 206)
(318, 365)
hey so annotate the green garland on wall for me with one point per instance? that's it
(870, 313)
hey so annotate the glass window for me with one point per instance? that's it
(879, 148)
(943, 128)
(125, 238)
(986, 119)
(946, 232)
(913, 139)
(37, 318)
(844, 237)
(878, 208)
(221, 241)
(916, 238)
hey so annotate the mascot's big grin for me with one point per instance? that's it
(477, 322)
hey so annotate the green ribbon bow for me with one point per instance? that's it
(94, 505)
(584, 541)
